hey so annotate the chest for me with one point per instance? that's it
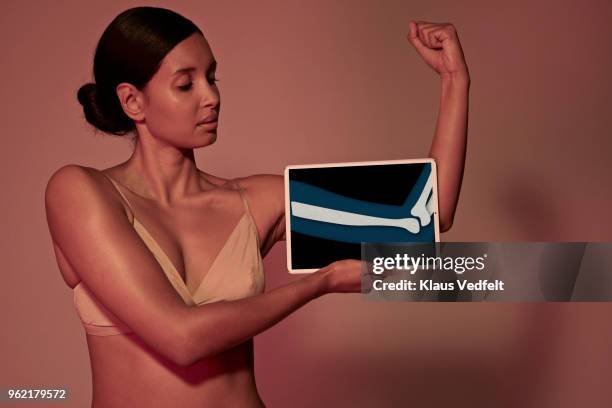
(194, 239)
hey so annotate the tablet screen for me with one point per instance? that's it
(332, 208)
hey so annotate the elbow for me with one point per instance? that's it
(181, 356)
(183, 360)
(446, 220)
(186, 354)
(445, 226)
(183, 353)
(188, 348)
(178, 343)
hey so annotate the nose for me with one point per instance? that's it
(210, 96)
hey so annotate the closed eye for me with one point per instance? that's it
(185, 87)
(188, 86)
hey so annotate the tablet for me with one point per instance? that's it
(331, 209)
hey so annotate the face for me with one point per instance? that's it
(183, 95)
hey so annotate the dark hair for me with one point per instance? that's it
(130, 50)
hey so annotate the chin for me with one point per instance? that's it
(210, 140)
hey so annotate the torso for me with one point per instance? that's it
(125, 371)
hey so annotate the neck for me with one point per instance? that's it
(162, 172)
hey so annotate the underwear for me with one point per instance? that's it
(236, 272)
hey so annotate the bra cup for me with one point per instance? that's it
(237, 273)
(96, 318)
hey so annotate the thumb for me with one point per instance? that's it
(413, 37)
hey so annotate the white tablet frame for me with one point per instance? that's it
(347, 164)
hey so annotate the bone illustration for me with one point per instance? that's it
(429, 205)
(421, 209)
(313, 212)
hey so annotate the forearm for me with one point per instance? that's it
(215, 327)
(448, 147)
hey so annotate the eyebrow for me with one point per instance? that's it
(212, 67)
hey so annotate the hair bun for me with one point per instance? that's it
(103, 113)
(87, 94)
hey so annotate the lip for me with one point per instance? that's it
(208, 120)
(208, 125)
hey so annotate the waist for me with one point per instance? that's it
(125, 366)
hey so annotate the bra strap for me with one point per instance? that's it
(246, 204)
(248, 211)
(120, 192)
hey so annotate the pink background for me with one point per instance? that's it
(320, 81)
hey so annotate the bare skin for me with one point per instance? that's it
(179, 355)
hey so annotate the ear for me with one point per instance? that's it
(132, 101)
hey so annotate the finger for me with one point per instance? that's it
(412, 30)
(449, 37)
(436, 37)
(424, 23)
(419, 41)
(422, 27)
(427, 37)
(414, 39)
(422, 35)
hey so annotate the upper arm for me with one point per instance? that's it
(268, 192)
(100, 244)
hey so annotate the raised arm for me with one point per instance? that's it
(439, 46)
(97, 239)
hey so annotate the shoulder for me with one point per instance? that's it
(266, 196)
(262, 182)
(72, 178)
(73, 183)
(74, 171)
(63, 178)
(266, 189)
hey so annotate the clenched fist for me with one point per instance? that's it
(438, 45)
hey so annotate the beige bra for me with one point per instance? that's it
(236, 272)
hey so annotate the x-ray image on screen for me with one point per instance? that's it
(332, 209)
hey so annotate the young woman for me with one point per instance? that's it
(165, 259)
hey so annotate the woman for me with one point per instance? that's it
(146, 241)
